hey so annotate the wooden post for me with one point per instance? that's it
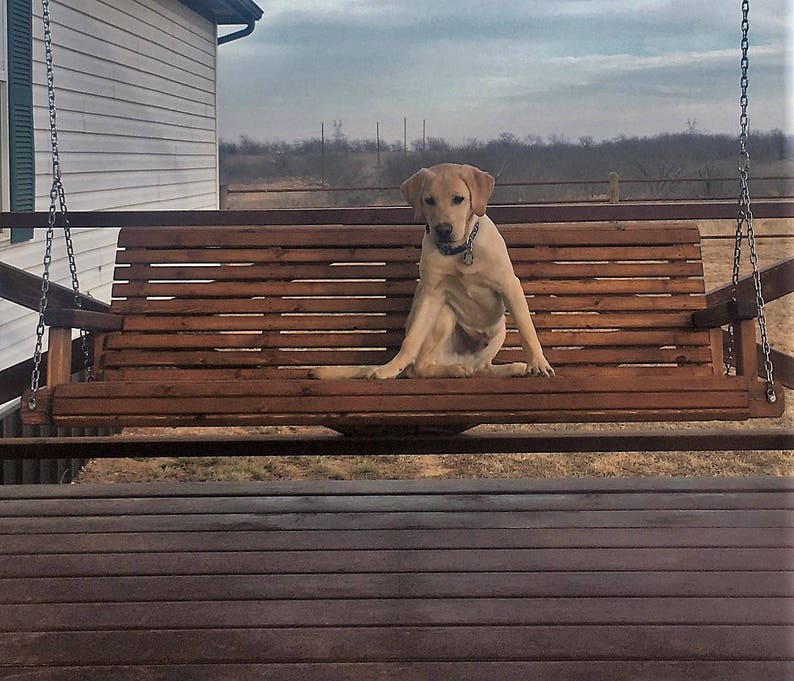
(377, 140)
(59, 356)
(614, 187)
(744, 350)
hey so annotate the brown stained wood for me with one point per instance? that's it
(442, 405)
(178, 375)
(393, 321)
(341, 337)
(421, 671)
(396, 270)
(589, 213)
(416, 421)
(243, 303)
(23, 288)
(588, 486)
(415, 502)
(89, 320)
(237, 289)
(299, 235)
(302, 357)
(537, 303)
(414, 387)
(423, 585)
(364, 254)
(745, 354)
(725, 313)
(603, 580)
(397, 562)
(100, 543)
(59, 356)
(398, 643)
(401, 612)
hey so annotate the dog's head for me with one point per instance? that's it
(446, 196)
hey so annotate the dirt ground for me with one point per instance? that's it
(718, 263)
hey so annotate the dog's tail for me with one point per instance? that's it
(341, 372)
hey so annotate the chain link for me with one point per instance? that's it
(745, 220)
(57, 205)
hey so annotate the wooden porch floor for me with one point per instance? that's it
(593, 580)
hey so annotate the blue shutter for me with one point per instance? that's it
(22, 175)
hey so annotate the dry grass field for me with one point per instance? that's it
(718, 263)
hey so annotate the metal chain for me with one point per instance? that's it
(57, 205)
(745, 218)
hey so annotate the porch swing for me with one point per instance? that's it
(218, 317)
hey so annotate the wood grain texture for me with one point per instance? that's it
(245, 307)
(690, 579)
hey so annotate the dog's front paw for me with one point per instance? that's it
(539, 366)
(383, 372)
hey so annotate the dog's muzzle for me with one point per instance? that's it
(444, 232)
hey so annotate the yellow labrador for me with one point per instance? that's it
(456, 325)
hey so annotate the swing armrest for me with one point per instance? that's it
(724, 313)
(71, 318)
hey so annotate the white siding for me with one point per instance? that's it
(136, 100)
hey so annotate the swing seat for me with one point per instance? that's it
(218, 325)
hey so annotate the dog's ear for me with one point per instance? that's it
(480, 185)
(411, 190)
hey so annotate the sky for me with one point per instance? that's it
(476, 69)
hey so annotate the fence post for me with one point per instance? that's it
(614, 187)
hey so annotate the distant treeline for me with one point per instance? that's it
(339, 161)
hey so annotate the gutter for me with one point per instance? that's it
(229, 37)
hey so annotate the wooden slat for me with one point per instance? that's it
(333, 503)
(400, 612)
(287, 272)
(343, 338)
(393, 321)
(483, 539)
(364, 254)
(238, 289)
(275, 357)
(442, 405)
(414, 387)
(589, 213)
(421, 420)
(395, 643)
(689, 670)
(278, 373)
(405, 488)
(396, 561)
(423, 585)
(537, 303)
(398, 235)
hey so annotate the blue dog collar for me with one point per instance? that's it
(465, 248)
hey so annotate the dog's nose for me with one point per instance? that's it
(444, 230)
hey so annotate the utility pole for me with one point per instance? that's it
(322, 152)
(424, 133)
(405, 134)
(377, 140)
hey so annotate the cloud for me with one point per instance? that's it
(474, 69)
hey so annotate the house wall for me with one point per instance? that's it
(136, 114)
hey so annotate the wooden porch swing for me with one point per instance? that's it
(217, 318)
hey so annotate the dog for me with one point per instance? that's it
(456, 325)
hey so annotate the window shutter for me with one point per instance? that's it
(22, 175)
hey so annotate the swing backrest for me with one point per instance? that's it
(237, 302)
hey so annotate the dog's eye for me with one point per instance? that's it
(430, 201)
(457, 200)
